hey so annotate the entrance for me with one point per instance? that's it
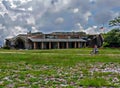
(19, 44)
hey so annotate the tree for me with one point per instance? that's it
(112, 38)
(115, 22)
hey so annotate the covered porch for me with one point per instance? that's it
(57, 43)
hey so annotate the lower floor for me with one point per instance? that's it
(57, 45)
(45, 44)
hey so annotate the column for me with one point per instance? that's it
(42, 45)
(67, 46)
(58, 45)
(75, 45)
(78, 44)
(49, 45)
(35, 45)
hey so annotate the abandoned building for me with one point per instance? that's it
(55, 40)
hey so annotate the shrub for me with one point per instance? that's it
(6, 47)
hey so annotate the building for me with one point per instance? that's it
(55, 40)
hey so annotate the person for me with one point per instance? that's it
(95, 50)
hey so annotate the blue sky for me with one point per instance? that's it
(21, 16)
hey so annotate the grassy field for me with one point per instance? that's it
(65, 68)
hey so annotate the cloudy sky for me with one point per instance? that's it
(21, 16)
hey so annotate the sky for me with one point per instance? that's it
(22, 16)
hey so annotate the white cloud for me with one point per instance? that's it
(43, 15)
(93, 0)
(87, 15)
(31, 20)
(2, 9)
(1, 27)
(59, 20)
(18, 30)
(75, 10)
(60, 5)
(92, 30)
(96, 30)
(34, 29)
(94, 27)
(79, 27)
(30, 8)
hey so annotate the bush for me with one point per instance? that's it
(6, 47)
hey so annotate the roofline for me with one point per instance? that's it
(57, 40)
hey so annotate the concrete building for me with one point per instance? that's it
(55, 40)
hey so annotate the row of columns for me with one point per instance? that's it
(58, 45)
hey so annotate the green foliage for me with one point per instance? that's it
(112, 38)
(6, 47)
(105, 44)
(115, 22)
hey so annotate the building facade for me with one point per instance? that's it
(55, 40)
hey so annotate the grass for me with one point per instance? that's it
(66, 68)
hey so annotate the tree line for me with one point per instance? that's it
(112, 38)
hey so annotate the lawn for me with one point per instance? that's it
(59, 68)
